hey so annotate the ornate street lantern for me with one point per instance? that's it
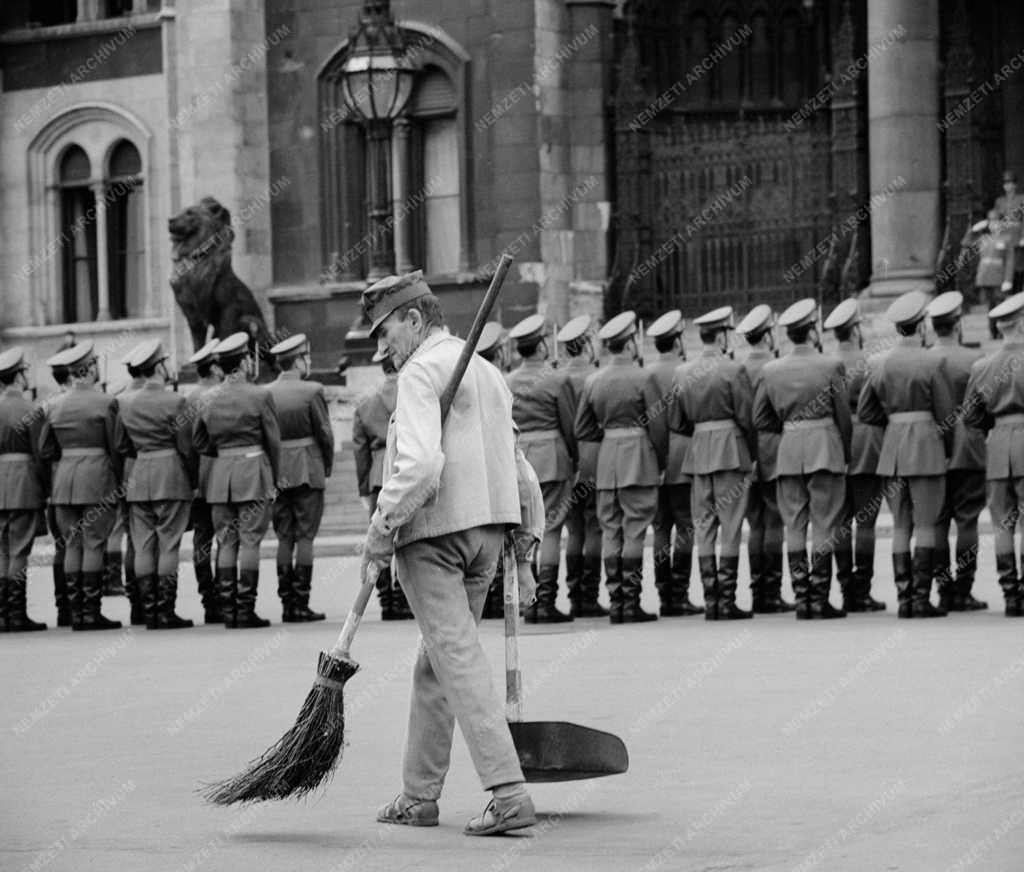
(377, 79)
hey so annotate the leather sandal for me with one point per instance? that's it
(409, 811)
(500, 817)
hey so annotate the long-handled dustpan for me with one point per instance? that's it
(550, 750)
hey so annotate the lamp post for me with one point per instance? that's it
(377, 79)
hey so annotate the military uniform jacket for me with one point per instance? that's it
(370, 435)
(543, 408)
(803, 395)
(126, 390)
(302, 415)
(577, 372)
(622, 407)
(910, 379)
(152, 428)
(968, 442)
(712, 387)
(196, 402)
(866, 443)
(664, 372)
(84, 418)
(996, 389)
(21, 478)
(240, 416)
(767, 441)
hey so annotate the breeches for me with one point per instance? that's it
(624, 515)
(817, 498)
(156, 530)
(915, 503)
(719, 504)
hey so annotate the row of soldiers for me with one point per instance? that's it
(697, 447)
(226, 461)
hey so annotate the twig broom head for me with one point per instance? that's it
(305, 757)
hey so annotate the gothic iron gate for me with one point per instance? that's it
(719, 194)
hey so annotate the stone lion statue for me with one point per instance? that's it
(204, 283)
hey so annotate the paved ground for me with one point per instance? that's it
(862, 745)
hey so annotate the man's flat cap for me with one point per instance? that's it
(1010, 309)
(757, 321)
(946, 307)
(669, 324)
(235, 345)
(205, 354)
(530, 329)
(291, 347)
(622, 326)
(12, 360)
(716, 318)
(383, 297)
(492, 335)
(846, 314)
(575, 329)
(799, 314)
(77, 355)
(907, 308)
(147, 353)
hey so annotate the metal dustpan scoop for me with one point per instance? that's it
(550, 750)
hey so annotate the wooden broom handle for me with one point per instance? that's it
(370, 571)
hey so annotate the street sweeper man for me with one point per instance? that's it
(449, 496)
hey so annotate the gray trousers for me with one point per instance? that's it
(445, 580)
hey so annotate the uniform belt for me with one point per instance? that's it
(713, 426)
(156, 452)
(911, 417)
(240, 451)
(808, 424)
(83, 452)
(1014, 420)
(14, 456)
(304, 442)
(538, 435)
(623, 432)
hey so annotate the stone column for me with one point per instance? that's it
(903, 141)
(399, 193)
(589, 89)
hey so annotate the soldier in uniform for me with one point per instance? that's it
(210, 378)
(909, 393)
(152, 428)
(855, 550)
(803, 397)
(765, 539)
(60, 591)
(1010, 210)
(116, 562)
(621, 407)
(21, 490)
(78, 442)
(238, 429)
(583, 539)
(673, 523)
(994, 404)
(965, 474)
(542, 407)
(307, 457)
(714, 402)
(369, 440)
(492, 347)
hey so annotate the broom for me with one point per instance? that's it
(306, 756)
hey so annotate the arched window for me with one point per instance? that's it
(126, 256)
(698, 47)
(730, 68)
(762, 84)
(428, 167)
(80, 292)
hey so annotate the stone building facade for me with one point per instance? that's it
(631, 153)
